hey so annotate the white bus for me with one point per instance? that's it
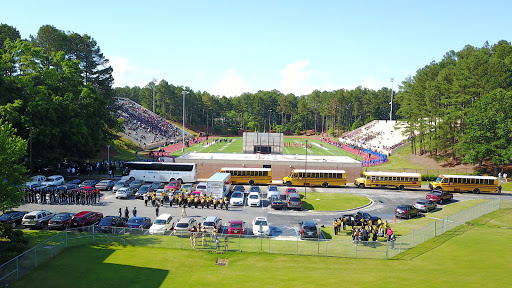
(161, 171)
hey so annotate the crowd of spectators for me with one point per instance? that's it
(144, 126)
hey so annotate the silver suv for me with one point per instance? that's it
(212, 222)
(38, 218)
(184, 225)
(293, 201)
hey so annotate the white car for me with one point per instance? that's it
(54, 180)
(37, 219)
(162, 224)
(35, 181)
(124, 192)
(237, 199)
(254, 199)
(260, 226)
(272, 191)
(187, 187)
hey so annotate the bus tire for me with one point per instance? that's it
(325, 185)
(180, 181)
(288, 183)
(132, 178)
(476, 190)
(401, 187)
(251, 182)
(360, 186)
(172, 179)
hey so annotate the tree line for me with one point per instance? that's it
(56, 90)
(321, 111)
(461, 106)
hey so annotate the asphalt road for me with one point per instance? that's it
(283, 223)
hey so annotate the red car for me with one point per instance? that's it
(290, 190)
(173, 185)
(236, 227)
(86, 218)
(439, 196)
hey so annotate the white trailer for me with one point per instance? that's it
(219, 185)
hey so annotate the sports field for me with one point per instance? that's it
(235, 145)
(474, 255)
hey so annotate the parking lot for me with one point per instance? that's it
(282, 222)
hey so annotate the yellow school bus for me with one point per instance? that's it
(399, 180)
(251, 176)
(461, 183)
(324, 178)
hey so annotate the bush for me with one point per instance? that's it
(16, 244)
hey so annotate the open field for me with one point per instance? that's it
(332, 201)
(235, 145)
(470, 256)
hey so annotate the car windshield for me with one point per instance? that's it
(276, 199)
(30, 217)
(137, 221)
(77, 220)
(260, 222)
(106, 221)
(237, 195)
(201, 187)
(182, 225)
(255, 189)
(60, 217)
(208, 223)
(236, 225)
(160, 222)
(292, 191)
(272, 188)
(294, 200)
(439, 179)
(120, 183)
(310, 228)
(421, 202)
(253, 196)
(436, 193)
(5, 216)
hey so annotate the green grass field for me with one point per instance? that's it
(332, 201)
(235, 145)
(474, 255)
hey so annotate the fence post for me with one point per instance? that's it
(66, 231)
(387, 248)
(356, 250)
(124, 236)
(399, 246)
(297, 244)
(269, 244)
(93, 235)
(51, 245)
(17, 268)
(435, 228)
(35, 253)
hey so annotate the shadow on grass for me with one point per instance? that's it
(305, 204)
(92, 257)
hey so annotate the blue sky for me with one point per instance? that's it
(231, 47)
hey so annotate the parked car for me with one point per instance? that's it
(120, 184)
(54, 180)
(109, 222)
(237, 198)
(105, 185)
(293, 201)
(254, 199)
(86, 218)
(260, 226)
(175, 185)
(276, 202)
(61, 220)
(361, 218)
(201, 186)
(156, 185)
(37, 218)
(184, 225)
(236, 227)
(406, 211)
(35, 181)
(425, 205)
(135, 186)
(162, 224)
(88, 183)
(308, 229)
(272, 191)
(290, 190)
(187, 187)
(138, 222)
(13, 218)
(255, 189)
(75, 181)
(239, 188)
(212, 222)
(124, 192)
(439, 196)
(143, 190)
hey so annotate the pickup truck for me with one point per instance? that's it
(358, 216)
(439, 196)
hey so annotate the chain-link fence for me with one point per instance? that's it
(293, 245)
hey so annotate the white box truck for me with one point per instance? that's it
(218, 185)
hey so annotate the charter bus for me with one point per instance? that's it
(161, 171)
(251, 176)
(324, 178)
(461, 183)
(399, 180)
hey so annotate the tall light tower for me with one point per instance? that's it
(306, 170)
(183, 133)
(391, 103)
(268, 135)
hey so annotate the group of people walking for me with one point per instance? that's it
(61, 195)
(185, 199)
(369, 231)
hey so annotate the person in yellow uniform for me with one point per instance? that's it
(202, 202)
(339, 224)
(226, 202)
(215, 204)
(221, 203)
(344, 220)
(335, 224)
(196, 201)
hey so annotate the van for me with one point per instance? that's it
(162, 224)
(38, 218)
(35, 181)
(293, 201)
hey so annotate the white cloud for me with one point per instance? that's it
(128, 74)
(231, 85)
(296, 79)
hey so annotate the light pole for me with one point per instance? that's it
(108, 156)
(30, 148)
(183, 133)
(391, 103)
(268, 135)
(306, 170)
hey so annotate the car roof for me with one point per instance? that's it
(294, 195)
(236, 221)
(80, 214)
(211, 218)
(164, 216)
(186, 219)
(308, 223)
(260, 218)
